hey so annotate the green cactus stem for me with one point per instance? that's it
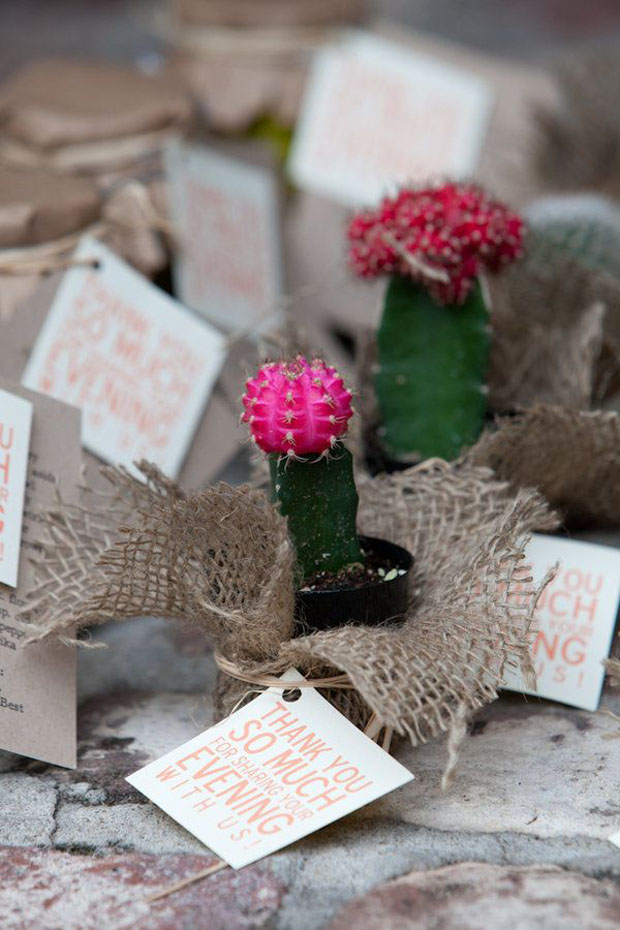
(431, 375)
(317, 494)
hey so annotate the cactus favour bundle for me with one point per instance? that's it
(433, 343)
(234, 562)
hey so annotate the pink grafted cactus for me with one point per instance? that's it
(296, 408)
(297, 412)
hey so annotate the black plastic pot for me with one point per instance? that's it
(367, 604)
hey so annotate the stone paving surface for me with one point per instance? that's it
(46, 889)
(537, 786)
(518, 843)
(471, 896)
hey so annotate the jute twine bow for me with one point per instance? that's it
(333, 682)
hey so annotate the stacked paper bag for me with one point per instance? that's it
(105, 122)
(247, 62)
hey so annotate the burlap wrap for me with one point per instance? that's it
(555, 359)
(221, 559)
(556, 331)
(578, 142)
(572, 456)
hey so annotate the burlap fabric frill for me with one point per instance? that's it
(555, 368)
(578, 141)
(221, 559)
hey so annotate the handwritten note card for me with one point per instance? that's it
(15, 421)
(268, 775)
(574, 621)
(138, 364)
(37, 681)
(377, 115)
(227, 213)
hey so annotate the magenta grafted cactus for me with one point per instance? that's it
(297, 408)
(297, 412)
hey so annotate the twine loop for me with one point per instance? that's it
(48, 256)
(373, 728)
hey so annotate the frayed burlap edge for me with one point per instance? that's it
(577, 144)
(221, 559)
(571, 456)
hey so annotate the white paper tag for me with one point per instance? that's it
(269, 774)
(575, 620)
(227, 213)
(137, 363)
(15, 424)
(377, 115)
(615, 839)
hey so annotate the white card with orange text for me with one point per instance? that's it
(574, 620)
(377, 115)
(138, 364)
(15, 425)
(227, 214)
(269, 774)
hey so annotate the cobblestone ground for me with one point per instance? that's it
(537, 788)
(519, 841)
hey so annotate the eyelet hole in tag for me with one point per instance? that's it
(291, 695)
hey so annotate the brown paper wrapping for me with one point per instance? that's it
(54, 103)
(244, 59)
(107, 122)
(41, 218)
(36, 206)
